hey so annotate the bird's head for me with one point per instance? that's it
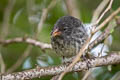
(65, 26)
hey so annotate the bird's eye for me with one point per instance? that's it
(65, 29)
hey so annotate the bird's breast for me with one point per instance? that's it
(66, 47)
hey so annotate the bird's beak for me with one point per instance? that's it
(56, 33)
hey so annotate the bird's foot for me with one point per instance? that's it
(87, 58)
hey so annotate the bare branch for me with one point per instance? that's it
(107, 20)
(27, 51)
(6, 18)
(113, 58)
(72, 8)
(106, 10)
(44, 16)
(42, 20)
(2, 63)
(87, 74)
(26, 40)
(118, 20)
(104, 35)
(98, 10)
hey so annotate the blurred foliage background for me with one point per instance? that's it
(20, 18)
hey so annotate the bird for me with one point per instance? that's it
(68, 36)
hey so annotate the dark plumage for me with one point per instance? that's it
(68, 36)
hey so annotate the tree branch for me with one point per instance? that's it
(28, 41)
(113, 58)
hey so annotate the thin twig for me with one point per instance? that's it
(30, 4)
(2, 63)
(6, 18)
(117, 20)
(72, 8)
(101, 51)
(104, 35)
(106, 10)
(87, 74)
(107, 20)
(44, 16)
(98, 10)
(42, 20)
